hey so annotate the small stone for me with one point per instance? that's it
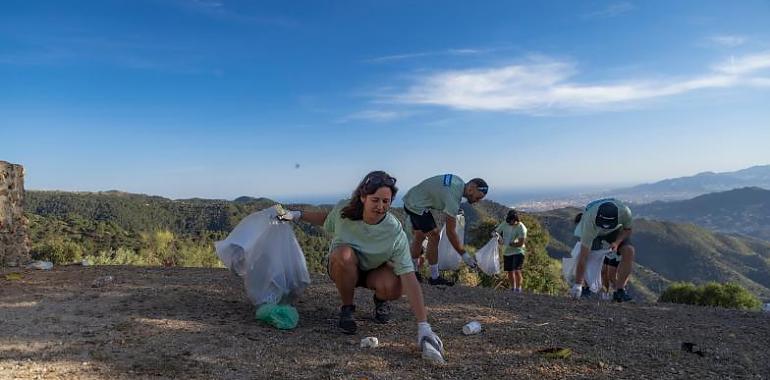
(619, 368)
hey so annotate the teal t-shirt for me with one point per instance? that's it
(442, 193)
(512, 234)
(375, 244)
(587, 229)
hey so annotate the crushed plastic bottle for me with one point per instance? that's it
(41, 265)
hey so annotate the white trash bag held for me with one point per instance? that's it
(266, 254)
(593, 275)
(488, 257)
(448, 258)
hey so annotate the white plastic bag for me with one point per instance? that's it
(593, 275)
(448, 258)
(488, 257)
(265, 252)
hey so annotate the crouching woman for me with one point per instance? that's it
(369, 249)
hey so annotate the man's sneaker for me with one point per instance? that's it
(620, 295)
(587, 293)
(381, 310)
(606, 296)
(346, 323)
(440, 281)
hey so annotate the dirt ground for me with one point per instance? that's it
(197, 323)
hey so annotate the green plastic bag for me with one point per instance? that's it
(284, 317)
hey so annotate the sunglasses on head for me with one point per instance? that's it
(376, 181)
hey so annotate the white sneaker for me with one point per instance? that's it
(606, 296)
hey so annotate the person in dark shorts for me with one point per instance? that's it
(441, 193)
(513, 235)
(606, 220)
(369, 249)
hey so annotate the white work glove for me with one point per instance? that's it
(290, 216)
(576, 291)
(430, 344)
(469, 260)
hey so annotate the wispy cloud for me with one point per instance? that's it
(728, 40)
(377, 116)
(745, 64)
(543, 86)
(612, 10)
(451, 52)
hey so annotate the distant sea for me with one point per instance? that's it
(508, 197)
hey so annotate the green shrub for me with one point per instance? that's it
(58, 252)
(727, 295)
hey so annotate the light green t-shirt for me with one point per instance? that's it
(587, 228)
(375, 244)
(511, 234)
(442, 193)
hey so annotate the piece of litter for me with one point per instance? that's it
(41, 265)
(102, 281)
(370, 342)
(13, 276)
(556, 353)
(542, 324)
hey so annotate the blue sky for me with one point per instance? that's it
(290, 100)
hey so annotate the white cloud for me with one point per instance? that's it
(545, 85)
(611, 10)
(728, 40)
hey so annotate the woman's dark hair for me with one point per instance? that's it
(369, 185)
(578, 217)
(512, 216)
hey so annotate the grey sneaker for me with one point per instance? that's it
(620, 295)
(440, 281)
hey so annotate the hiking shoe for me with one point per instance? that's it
(440, 281)
(381, 310)
(620, 295)
(347, 323)
(586, 293)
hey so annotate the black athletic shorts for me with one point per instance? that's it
(611, 262)
(424, 222)
(597, 243)
(513, 262)
(362, 274)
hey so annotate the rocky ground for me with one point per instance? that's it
(197, 323)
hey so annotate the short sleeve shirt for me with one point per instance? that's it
(375, 244)
(512, 234)
(442, 193)
(587, 229)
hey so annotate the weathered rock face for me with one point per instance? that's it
(14, 242)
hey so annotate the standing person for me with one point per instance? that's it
(513, 234)
(369, 249)
(606, 220)
(442, 193)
